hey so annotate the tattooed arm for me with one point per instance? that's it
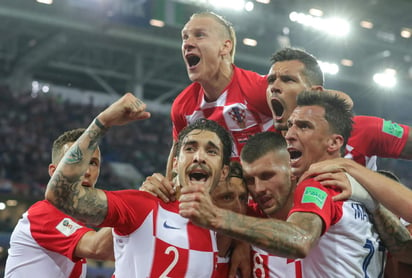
(64, 189)
(293, 238)
(394, 235)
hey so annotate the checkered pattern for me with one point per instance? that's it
(241, 108)
(164, 244)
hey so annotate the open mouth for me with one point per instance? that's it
(294, 154)
(192, 60)
(277, 108)
(198, 175)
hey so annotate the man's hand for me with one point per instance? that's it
(196, 204)
(240, 260)
(159, 186)
(125, 110)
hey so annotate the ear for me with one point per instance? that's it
(317, 88)
(52, 168)
(174, 164)
(335, 143)
(226, 48)
(225, 173)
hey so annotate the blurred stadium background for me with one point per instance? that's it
(62, 61)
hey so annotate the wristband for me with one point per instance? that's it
(361, 195)
(99, 124)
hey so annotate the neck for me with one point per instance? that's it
(214, 87)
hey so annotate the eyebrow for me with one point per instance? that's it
(195, 142)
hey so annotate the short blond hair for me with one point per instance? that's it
(228, 27)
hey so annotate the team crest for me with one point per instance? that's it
(238, 115)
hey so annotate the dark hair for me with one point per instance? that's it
(312, 71)
(260, 144)
(337, 111)
(236, 170)
(205, 124)
(69, 136)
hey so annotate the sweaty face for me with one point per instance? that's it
(308, 138)
(268, 181)
(200, 159)
(203, 44)
(285, 81)
(231, 195)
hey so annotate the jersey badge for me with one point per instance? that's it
(314, 195)
(67, 226)
(238, 115)
(392, 128)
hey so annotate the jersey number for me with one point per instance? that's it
(170, 249)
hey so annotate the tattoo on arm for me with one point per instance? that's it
(393, 234)
(275, 236)
(88, 207)
(74, 156)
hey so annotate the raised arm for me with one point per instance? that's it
(64, 189)
(407, 149)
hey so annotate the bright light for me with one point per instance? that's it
(346, 62)
(47, 2)
(386, 79)
(263, 1)
(249, 42)
(157, 23)
(329, 68)
(249, 6)
(11, 203)
(236, 5)
(45, 89)
(316, 12)
(334, 26)
(2, 206)
(406, 33)
(366, 24)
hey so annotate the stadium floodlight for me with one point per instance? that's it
(334, 26)
(329, 68)
(236, 5)
(386, 79)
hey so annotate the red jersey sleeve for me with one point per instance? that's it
(127, 209)
(378, 136)
(311, 196)
(54, 230)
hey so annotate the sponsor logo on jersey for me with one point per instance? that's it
(392, 128)
(314, 195)
(67, 226)
(167, 226)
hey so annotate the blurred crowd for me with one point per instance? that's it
(28, 126)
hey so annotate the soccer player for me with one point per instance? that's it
(150, 238)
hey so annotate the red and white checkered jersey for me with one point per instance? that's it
(151, 239)
(43, 243)
(241, 108)
(372, 136)
(348, 247)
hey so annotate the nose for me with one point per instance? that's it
(87, 173)
(290, 133)
(187, 43)
(199, 156)
(259, 186)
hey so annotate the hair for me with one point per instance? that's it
(260, 144)
(337, 111)
(312, 71)
(69, 136)
(389, 174)
(209, 125)
(235, 170)
(228, 27)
